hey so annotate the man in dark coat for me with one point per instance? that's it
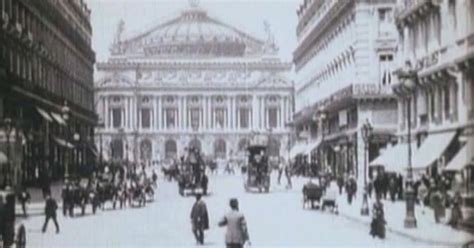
(199, 219)
(24, 197)
(50, 212)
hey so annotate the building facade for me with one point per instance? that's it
(46, 89)
(192, 81)
(436, 56)
(344, 61)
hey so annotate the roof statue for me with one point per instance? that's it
(116, 48)
(270, 46)
(194, 3)
(192, 34)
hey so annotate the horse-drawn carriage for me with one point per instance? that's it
(79, 194)
(317, 195)
(170, 169)
(258, 173)
(192, 176)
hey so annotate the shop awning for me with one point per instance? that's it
(3, 158)
(297, 149)
(63, 143)
(58, 118)
(459, 161)
(394, 158)
(93, 149)
(44, 114)
(311, 146)
(432, 148)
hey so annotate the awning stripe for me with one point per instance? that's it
(44, 114)
(3, 158)
(432, 148)
(310, 147)
(459, 161)
(58, 119)
(63, 143)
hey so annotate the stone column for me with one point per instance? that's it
(233, 123)
(155, 112)
(254, 112)
(229, 111)
(160, 113)
(106, 109)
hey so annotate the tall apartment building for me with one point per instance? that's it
(46, 95)
(436, 59)
(344, 62)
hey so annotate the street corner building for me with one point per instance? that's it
(46, 90)
(344, 60)
(192, 81)
(435, 92)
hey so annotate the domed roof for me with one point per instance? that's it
(193, 33)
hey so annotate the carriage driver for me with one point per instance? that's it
(194, 161)
(261, 166)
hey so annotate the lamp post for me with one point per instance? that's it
(76, 137)
(409, 84)
(8, 130)
(322, 118)
(366, 134)
(101, 125)
(65, 114)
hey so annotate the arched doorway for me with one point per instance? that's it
(146, 150)
(171, 149)
(116, 148)
(220, 148)
(243, 144)
(195, 143)
(273, 147)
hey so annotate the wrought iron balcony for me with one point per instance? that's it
(411, 8)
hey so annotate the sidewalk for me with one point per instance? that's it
(427, 230)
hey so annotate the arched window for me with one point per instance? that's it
(170, 149)
(116, 148)
(146, 150)
(195, 143)
(220, 148)
(273, 147)
(243, 144)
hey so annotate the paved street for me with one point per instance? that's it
(275, 219)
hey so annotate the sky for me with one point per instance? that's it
(245, 15)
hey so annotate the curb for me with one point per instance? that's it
(403, 234)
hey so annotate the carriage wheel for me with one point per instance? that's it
(21, 237)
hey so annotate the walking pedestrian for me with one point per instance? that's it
(237, 233)
(436, 203)
(377, 226)
(199, 219)
(456, 213)
(340, 183)
(24, 197)
(50, 211)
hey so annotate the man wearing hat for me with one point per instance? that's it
(199, 219)
(237, 233)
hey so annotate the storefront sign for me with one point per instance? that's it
(428, 61)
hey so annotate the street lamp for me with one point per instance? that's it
(409, 84)
(8, 130)
(100, 124)
(65, 114)
(76, 137)
(366, 134)
(322, 118)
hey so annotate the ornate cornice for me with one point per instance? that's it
(275, 64)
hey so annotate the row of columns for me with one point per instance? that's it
(258, 112)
